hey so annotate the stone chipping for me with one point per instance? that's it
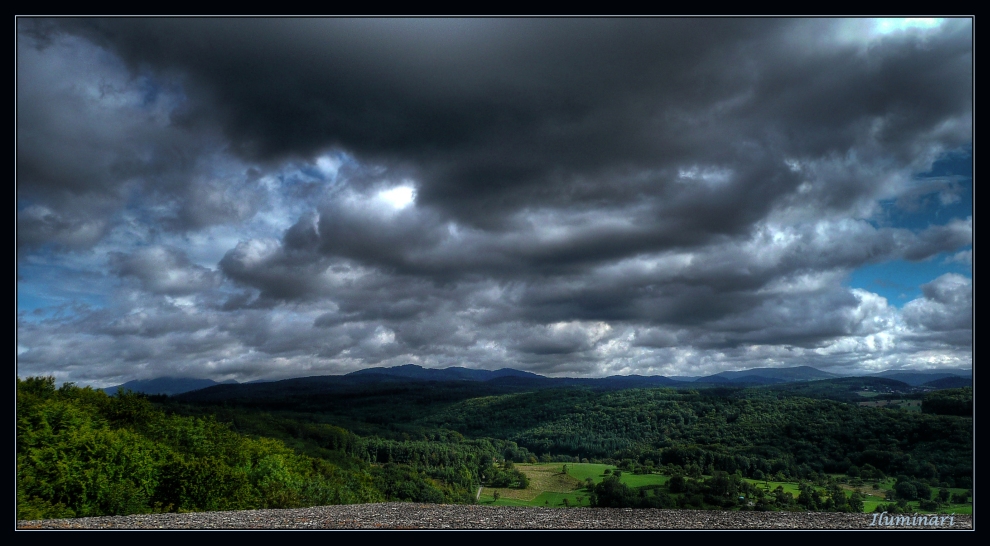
(396, 515)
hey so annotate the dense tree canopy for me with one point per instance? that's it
(81, 452)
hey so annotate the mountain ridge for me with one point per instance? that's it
(509, 376)
(166, 385)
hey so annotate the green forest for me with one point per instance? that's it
(81, 452)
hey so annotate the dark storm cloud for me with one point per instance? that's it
(570, 196)
(938, 239)
(805, 320)
(775, 287)
(568, 339)
(494, 114)
(690, 121)
(568, 257)
(807, 90)
(654, 338)
(37, 225)
(164, 271)
(212, 201)
(154, 324)
(277, 273)
(93, 139)
(947, 306)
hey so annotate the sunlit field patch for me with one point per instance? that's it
(549, 486)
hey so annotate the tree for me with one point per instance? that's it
(612, 493)
(838, 497)
(809, 497)
(906, 490)
(856, 502)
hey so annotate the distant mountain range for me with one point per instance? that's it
(916, 379)
(509, 377)
(949, 383)
(166, 385)
(766, 376)
(454, 373)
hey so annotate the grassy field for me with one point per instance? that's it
(586, 470)
(871, 505)
(549, 486)
(545, 481)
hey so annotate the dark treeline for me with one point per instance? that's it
(949, 402)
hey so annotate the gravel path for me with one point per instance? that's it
(432, 516)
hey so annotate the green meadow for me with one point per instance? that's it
(549, 486)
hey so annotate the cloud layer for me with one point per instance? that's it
(283, 197)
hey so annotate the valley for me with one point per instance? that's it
(524, 440)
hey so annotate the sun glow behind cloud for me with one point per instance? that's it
(888, 25)
(866, 31)
(398, 197)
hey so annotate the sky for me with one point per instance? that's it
(269, 198)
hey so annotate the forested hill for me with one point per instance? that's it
(323, 440)
(349, 393)
(81, 452)
(730, 430)
(795, 428)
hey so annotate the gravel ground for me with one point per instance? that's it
(433, 516)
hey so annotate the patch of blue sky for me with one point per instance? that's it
(945, 193)
(308, 172)
(326, 167)
(149, 90)
(956, 162)
(36, 302)
(152, 90)
(900, 281)
(47, 290)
